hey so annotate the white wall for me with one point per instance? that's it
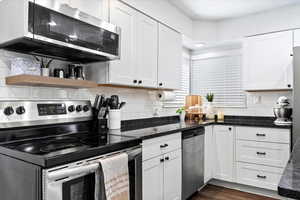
(164, 12)
(205, 31)
(275, 20)
(140, 103)
(232, 29)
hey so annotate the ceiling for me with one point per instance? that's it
(224, 9)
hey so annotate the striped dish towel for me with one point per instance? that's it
(116, 177)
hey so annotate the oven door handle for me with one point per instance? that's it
(59, 174)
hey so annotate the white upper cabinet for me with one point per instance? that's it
(297, 38)
(147, 37)
(169, 58)
(92, 7)
(223, 143)
(139, 37)
(268, 61)
(123, 71)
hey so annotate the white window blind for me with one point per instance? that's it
(221, 75)
(184, 83)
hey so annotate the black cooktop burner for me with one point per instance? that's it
(59, 145)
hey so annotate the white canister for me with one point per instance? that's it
(114, 120)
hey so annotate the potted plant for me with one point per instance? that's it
(210, 109)
(181, 112)
(45, 64)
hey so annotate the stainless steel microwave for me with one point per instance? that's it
(55, 29)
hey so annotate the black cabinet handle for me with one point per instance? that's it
(291, 54)
(259, 176)
(164, 146)
(289, 85)
(167, 158)
(229, 129)
(260, 135)
(140, 81)
(134, 81)
(160, 84)
(261, 153)
(162, 160)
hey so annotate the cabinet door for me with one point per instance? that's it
(268, 61)
(122, 71)
(169, 58)
(153, 179)
(172, 176)
(147, 37)
(297, 38)
(223, 142)
(92, 7)
(208, 154)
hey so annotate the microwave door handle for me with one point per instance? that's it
(55, 175)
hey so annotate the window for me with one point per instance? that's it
(221, 74)
(184, 84)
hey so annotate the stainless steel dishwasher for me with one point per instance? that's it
(192, 161)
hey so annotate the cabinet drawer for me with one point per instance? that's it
(263, 153)
(263, 134)
(258, 175)
(161, 145)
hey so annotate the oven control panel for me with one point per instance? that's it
(24, 113)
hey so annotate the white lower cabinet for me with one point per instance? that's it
(208, 154)
(261, 155)
(162, 168)
(223, 143)
(258, 175)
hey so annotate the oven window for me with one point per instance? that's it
(82, 188)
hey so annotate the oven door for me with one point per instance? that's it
(53, 26)
(77, 182)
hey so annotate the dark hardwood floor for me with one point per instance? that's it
(212, 192)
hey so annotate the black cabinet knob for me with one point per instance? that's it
(8, 111)
(134, 81)
(20, 110)
(230, 129)
(140, 81)
(86, 108)
(162, 160)
(167, 158)
(289, 85)
(160, 84)
(79, 108)
(71, 108)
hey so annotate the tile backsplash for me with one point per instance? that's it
(140, 103)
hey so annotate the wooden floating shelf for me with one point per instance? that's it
(32, 80)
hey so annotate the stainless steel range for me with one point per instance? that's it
(49, 151)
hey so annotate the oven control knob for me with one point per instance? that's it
(20, 110)
(8, 111)
(79, 108)
(71, 108)
(86, 108)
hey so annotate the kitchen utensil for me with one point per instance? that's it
(96, 101)
(72, 72)
(59, 73)
(79, 73)
(121, 105)
(114, 102)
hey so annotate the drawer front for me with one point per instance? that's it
(258, 175)
(264, 134)
(161, 145)
(263, 153)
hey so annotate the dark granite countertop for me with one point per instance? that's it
(142, 130)
(289, 185)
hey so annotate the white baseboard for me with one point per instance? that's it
(249, 189)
